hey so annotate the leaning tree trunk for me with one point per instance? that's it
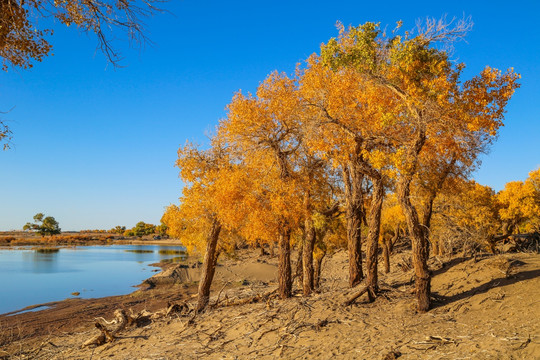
(209, 266)
(419, 245)
(284, 263)
(372, 242)
(307, 257)
(353, 203)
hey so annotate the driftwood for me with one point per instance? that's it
(110, 329)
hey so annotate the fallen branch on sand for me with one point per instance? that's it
(110, 329)
(356, 295)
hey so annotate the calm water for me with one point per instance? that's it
(30, 276)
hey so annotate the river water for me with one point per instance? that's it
(31, 276)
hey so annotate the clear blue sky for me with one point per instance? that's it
(95, 147)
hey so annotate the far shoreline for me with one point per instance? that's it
(21, 238)
(138, 289)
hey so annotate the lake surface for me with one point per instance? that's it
(31, 276)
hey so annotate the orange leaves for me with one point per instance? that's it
(268, 120)
(485, 97)
(392, 109)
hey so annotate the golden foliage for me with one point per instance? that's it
(520, 203)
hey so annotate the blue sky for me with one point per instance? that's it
(95, 146)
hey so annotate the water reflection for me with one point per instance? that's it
(141, 252)
(44, 260)
(34, 276)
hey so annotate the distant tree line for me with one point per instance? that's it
(140, 229)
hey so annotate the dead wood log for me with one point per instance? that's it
(109, 329)
(356, 295)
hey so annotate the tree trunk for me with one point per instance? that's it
(372, 243)
(432, 194)
(307, 257)
(386, 254)
(506, 230)
(419, 245)
(426, 217)
(317, 270)
(353, 203)
(209, 266)
(260, 245)
(284, 263)
(299, 265)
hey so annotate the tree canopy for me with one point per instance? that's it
(388, 113)
(43, 225)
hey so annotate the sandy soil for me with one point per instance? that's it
(486, 307)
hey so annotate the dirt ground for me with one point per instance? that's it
(486, 307)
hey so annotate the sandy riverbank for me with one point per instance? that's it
(485, 308)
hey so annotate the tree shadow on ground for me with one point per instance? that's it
(458, 260)
(144, 337)
(442, 300)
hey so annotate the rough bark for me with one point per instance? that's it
(299, 265)
(419, 245)
(284, 243)
(353, 204)
(372, 242)
(426, 217)
(284, 263)
(317, 267)
(307, 257)
(308, 244)
(209, 266)
(356, 295)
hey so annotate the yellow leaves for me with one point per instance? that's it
(468, 211)
(388, 108)
(392, 215)
(520, 202)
